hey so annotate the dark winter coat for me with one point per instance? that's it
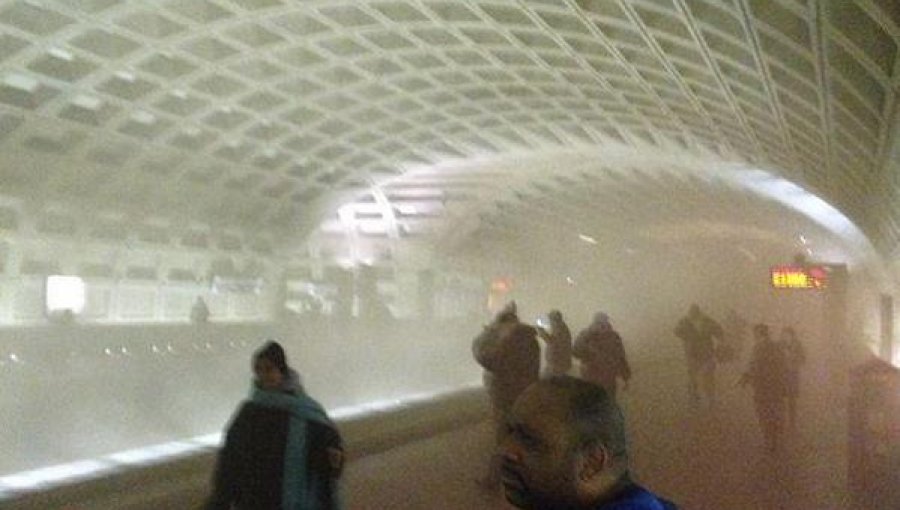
(768, 371)
(698, 338)
(511, 357)
(602, 356)
(276, 456)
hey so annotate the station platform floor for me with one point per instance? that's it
(706, 460)
(701, 459)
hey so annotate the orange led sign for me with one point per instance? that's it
(799, 277)
(501, 285)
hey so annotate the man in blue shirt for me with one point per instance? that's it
(565, 448)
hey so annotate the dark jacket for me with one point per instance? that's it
(277, 445)
(767, 373)
(602, 356)
(511, 357)
(698, 337)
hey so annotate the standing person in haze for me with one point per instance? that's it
(566, 448)
(199, 311)
(767, 375)
(601, 353)
(281, 450)
(508, 351)
(795, 357)
(559, 345)
(696, 331)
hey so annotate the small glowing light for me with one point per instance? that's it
(61, 54)
(22, 82)
(108, 351)
(570, 280)
(587, 239)
(65, 293)
(143, 117)
(87, 102)
(14, 358)
(802, 238)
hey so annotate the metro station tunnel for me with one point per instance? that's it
(369, 182)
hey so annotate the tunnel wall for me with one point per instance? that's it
(74, 392)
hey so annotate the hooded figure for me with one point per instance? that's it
(281, 451)
(601, 353)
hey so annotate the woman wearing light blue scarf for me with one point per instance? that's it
(281, 451)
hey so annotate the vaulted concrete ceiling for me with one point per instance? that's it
(266, 114)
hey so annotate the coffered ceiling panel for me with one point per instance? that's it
(275, 104)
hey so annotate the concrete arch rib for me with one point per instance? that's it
(556, 185)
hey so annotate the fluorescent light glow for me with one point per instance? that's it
(141, 456)
(587, 239)
(60, 54)
(407, 209)
(22, 82)
(51, 474)
(65, 293)
(144, 117)
(87, 102)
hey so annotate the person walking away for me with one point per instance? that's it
(697, 331)
(766, 375)
(559, 345)
(199, 311)
(601, 354)
(795, 358)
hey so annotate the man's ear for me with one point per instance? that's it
(594, 461)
